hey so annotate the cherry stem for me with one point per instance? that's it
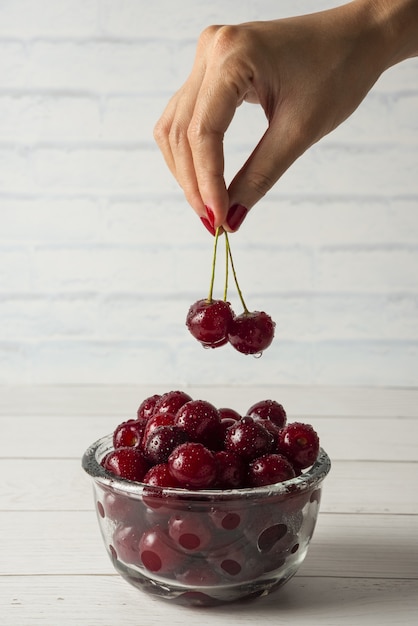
(226, 269)
(212, 279)
(234, 273)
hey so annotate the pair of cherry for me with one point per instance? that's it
(213, 322)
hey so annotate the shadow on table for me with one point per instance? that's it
(358, 573)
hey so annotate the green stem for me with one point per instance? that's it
(226, 269)
(235, 274)
(212, 279)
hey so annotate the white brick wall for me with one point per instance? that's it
(100, 257)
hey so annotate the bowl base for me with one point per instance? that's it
(203, 596)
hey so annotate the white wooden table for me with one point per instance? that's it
(362, 567)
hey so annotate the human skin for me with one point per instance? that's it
(309, 73)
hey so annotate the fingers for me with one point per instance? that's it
(214, 109)
(191, 130)
(170, 133)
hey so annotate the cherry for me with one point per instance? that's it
(190, 531)
(251, 332)
(209, 320)
(270, 426)
(171, 401)
(146, 408)
(129, 433)
(248, 439)
(226, 422)
(237, 563)
(268, 409)
(200, 419)
(269, 469)
(160, 476)
(156, 421)
(226, 412)
(299, 442)
(228, 520)
(282, 550)
(157, 478)
(270, 536)
(127, 463)
(126, 543)
(231, 470)
(193, 465)
(162, 441)
(157, 551)
(121, 508)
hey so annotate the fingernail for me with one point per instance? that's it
(211, 216)
(236, 216)
(208, 225)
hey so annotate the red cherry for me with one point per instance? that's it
(129, 433)
(268, 409)
(231, 470)
(269, 537)
(171, 401)
(156, 421)
(157, 551)
(157, 478)
(237, 563)
(268, 425)
(127, 463)
(209, 321)
(228, 520)
(299, 442)
(226, 412)
(189, 531)
(193, 465)
(251, 332)
(126, 543)
(146, 408)
(269, 469)
(200, 420)
(225, 424)
(248, 439)
(118, 507)
(162, 441)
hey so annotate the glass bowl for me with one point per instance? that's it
(205, 547)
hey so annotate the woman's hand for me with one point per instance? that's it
(309, 73)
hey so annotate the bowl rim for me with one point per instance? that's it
(308, 480)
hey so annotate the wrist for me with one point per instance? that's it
(395, 23)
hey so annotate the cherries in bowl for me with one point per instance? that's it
(203, 524)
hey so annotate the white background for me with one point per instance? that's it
(100, 256)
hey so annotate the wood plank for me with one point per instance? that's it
(303, 601)
(361, 438)
(351, 487)
(313, 400)
(67, 542)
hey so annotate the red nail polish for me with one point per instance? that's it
(211, 216)
(208, 225)
(236, 216)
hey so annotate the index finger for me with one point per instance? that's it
(218, 98)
